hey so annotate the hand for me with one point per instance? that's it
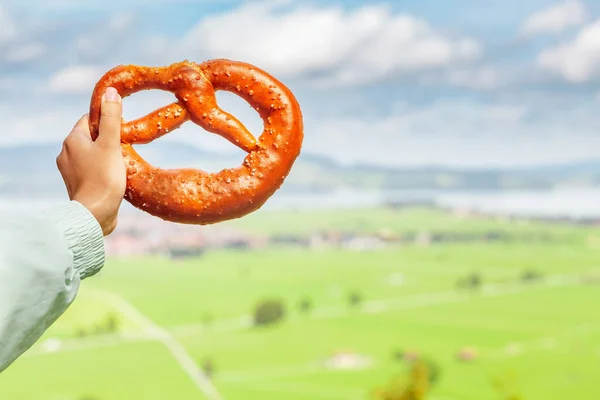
(94, 171)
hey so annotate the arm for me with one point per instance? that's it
(43, 259)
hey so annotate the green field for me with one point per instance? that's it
(396, 220)
(543, 336)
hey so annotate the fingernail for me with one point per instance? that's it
(111, 94)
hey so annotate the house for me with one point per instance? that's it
(348, 360)
(363, 243)
(126, 245)
(466, 354)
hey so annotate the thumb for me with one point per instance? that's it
(111, 112)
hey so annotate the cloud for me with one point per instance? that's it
(555, 19)
(25, 52)
(50, 125)
(328, 46)
(451, 131)
(8, 30)
(116, 38)
(336, 46)
(76, 79)
(578, 60)
(106, 4)
(27, 36)
(484, 77)
(390, 87)
(120, 22)
(461, 133)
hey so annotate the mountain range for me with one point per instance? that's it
(30, 170)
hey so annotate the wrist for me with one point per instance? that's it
(98, 209)
(83, 234)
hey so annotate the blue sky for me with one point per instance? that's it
(464, 83)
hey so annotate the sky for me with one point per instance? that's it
(468, 83)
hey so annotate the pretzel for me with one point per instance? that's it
(194, 196)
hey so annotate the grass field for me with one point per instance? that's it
(399, 221)
(172, 316)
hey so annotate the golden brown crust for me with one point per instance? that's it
(193, 196)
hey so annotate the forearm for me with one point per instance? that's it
(43, 258)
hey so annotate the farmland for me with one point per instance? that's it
(145, 327)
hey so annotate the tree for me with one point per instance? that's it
(112, 323)
(411, 357)
(305, 305)
(269, 312)
(415, 386)
(530, 276)
(355, 298)
(208, 367)
(506, 387)
(434, 370)
(398, 355)
(472, 281)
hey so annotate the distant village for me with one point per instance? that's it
(140, 234)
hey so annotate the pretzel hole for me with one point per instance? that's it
(144, 102)
(242, 110)
(191, 146)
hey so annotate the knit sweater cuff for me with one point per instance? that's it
(83, 234)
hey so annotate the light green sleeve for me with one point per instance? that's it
(43, 259)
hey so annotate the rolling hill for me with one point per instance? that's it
(37, 175)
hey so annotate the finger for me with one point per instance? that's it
(60, 163)
(82, 123)
(81, 130)
(109, 134)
